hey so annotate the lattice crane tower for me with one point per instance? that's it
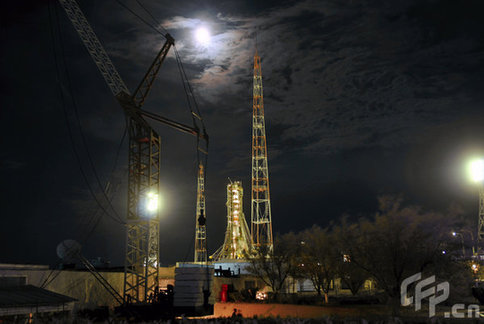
(480, 231)
(261, 222)
(237, 238)
(200, 227)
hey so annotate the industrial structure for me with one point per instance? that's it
(237, 238)
(238, 242)
(261, 222)
(142, 225)
(480, 231)
(200, 220)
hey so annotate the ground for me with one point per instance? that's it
(368, 312)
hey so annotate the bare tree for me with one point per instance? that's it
(274, 266)
(397, 243)
(351, 275)
(319, 258)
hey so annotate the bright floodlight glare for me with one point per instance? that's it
(454, 233)
(477, 170)
(152, 202)
(202, 35)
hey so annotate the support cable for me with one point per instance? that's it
(48, 280)
(76, 114)
(69, 130)
(152, 17)
(186, 84)
(140, 18)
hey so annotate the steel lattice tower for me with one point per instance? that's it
(142, 242)
(261, 222)
(200, 221)
(480, 231)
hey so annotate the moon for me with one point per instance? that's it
(202, 36)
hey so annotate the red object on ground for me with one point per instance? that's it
(223, 293)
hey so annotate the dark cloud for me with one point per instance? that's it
(361, 98)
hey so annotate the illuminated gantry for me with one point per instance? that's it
(261, 222)
(477, 175)
(237, 239)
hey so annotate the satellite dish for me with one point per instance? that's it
(68, 250)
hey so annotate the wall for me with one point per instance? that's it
(79, 284)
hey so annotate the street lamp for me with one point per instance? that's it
(464, 231)
(462, 241)
(475, 267)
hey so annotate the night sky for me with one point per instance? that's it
(362, 98)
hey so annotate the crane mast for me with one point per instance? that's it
(200, 222)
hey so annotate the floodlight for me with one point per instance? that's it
(476, 170)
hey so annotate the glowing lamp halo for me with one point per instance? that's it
(152, 202)
(476, 170)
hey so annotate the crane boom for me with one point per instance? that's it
(195, 131)
(145, 85)
(94, 47)
(130, 103)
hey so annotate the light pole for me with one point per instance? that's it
(462, 241)
(461, 234)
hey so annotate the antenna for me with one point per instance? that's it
(256, 41)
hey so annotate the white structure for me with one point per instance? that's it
(193, 285)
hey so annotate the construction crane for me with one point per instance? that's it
(142, 226)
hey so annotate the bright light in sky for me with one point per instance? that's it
(202, 35)
(477, 170)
